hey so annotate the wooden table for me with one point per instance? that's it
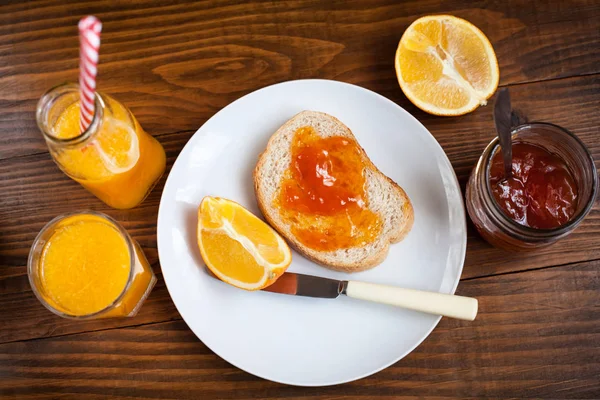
(538, 331)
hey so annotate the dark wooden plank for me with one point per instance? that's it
(537, 336)
(28, 319)
(176, 64)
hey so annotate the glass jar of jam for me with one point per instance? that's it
(553, 188)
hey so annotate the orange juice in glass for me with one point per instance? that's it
(85, 265)
(114, 158)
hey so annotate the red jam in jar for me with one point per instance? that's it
(542, 192)
(554, 187)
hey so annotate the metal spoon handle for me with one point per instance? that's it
(502, 119)
(507, 156)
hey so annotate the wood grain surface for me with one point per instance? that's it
(527, 342)
(188, 60)
(177, 63)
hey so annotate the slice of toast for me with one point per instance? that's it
(384, 196)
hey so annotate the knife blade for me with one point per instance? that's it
(428, 302)
(306, 285)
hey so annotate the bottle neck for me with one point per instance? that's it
(51, 107)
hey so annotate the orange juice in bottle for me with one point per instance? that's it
(114, 158)
(85, 265)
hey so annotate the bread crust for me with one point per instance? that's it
(338, 260)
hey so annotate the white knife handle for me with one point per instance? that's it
(446, 305)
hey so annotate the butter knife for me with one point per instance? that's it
(447, 305)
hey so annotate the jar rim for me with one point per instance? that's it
(508, 223)
(44, 104)
(132, 260)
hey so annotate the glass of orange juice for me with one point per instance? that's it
(85, 265)
(114, 158)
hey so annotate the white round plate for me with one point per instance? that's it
(299, 340)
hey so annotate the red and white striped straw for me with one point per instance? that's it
(89, 40)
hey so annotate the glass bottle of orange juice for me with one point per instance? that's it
(114, 158)
(85, 265)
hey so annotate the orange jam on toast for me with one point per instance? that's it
(323, 194)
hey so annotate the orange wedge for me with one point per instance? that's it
(446, 65)
(238, 247)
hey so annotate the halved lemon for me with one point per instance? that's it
(238, 247)
(446, 65)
